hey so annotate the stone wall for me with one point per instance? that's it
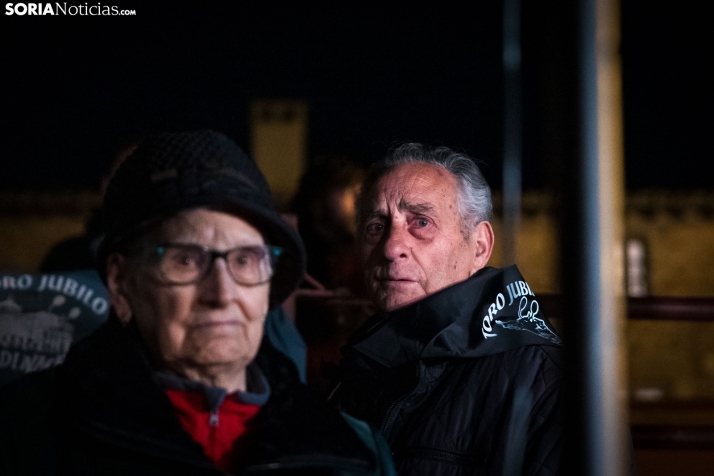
(31, 223)
(667, 359)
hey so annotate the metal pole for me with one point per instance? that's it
(512, 128)
(592, 216)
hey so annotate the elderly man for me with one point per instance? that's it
(180, 380)
(460, 370)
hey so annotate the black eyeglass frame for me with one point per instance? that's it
(272, 252)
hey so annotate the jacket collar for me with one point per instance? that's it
(491, 312)
(108, 391)
(257, 393)
(296, 429)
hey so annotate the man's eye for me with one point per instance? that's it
(422, 222)
(373, 228)
(246, 258)
(184, 259)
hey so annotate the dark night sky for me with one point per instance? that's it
(75, 88)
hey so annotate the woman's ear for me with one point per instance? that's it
(117, 275)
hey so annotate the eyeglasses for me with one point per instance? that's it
(188, 264)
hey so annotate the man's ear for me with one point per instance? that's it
(483, 242)
(117, 274)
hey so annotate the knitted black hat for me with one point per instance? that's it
(171, 172)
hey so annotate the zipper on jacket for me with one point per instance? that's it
(213, 418)
(391, 412)
(383, 425)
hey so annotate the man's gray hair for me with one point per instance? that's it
(474, 194)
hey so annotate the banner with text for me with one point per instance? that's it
(41, 315)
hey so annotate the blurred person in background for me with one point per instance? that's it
(325, 206)
(180, 379)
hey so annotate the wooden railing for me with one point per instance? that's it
(673, 437)
(650, 308)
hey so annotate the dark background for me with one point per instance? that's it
(75, 89)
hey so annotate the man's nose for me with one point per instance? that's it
(395, 241)
(219, 287)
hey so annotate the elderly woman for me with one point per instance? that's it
(180, 380)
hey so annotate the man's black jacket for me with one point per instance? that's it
(102, 413)
(465, 381)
